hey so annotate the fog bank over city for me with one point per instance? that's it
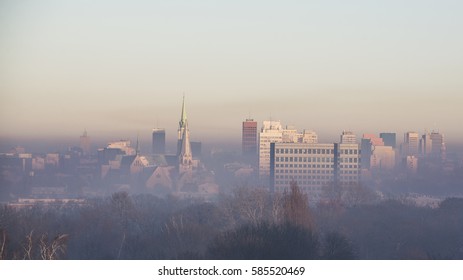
(231, 130)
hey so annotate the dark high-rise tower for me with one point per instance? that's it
(389, 138)
(249, 137)
(159, 141)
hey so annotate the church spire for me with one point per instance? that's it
(137, 149)
(183, 118)
(181, 127)
(185, 157)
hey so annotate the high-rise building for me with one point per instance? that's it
(159, 141)
(348, 137)
(426, 145)
(249, 137)
(375, 154)
(411, 144)
(85, 143)
(382, 158)
(271, 132)
(438, 145)
(310, 137)
(389, 139)
(313, 166)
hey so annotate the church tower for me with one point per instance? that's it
(181, 127)
(185, 156)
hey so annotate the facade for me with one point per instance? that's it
(271, 132)
(426, 145)
(159, 141)
(249, 137)
(376, 155)
(85, 143)
(382, 158)
(310, 137)
(348, 137)
(389, 139)
(313, 166)
(411, 144)
(438, 145)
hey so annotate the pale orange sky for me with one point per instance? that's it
(120, 68)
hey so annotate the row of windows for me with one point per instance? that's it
(304, 165)
(349, 151)
(301, 183)
(348, 166)
(349, 160)
(304, 159)
(317, 177)
(305, 171)
(316, 151)
(305, 151)
(348, 172)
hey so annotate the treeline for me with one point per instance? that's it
(249, 223)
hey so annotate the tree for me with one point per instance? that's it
(295, 208)
(337, 247)
(264, 242)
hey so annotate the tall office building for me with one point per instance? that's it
(375, 154)
(313, 166)
(426, 145)
(159, 141)
(438, 145)
(368, 142)
(411, 144)
(271, 132)
(348, 137)
(309, 136)
(249, 137)
(85, 143)
(389, 139)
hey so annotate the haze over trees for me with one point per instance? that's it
(248, 223)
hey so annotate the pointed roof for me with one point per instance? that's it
(186, 146)
(183, 118)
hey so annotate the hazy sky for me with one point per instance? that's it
(118, 67)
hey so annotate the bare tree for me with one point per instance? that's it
(296, 207)
(2, 244)
(28, 246)
(52, 250)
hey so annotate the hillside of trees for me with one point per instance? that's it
(248, 223)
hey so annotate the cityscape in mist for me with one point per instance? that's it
(241, 130)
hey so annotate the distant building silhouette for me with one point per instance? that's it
(85, 143)
(159, 141)
(389, 139)
(249, 137)
(438, 145)
(411, 144)
(348, 137)
(426, 145)
(196, 149)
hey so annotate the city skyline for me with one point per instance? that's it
(115, 69)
